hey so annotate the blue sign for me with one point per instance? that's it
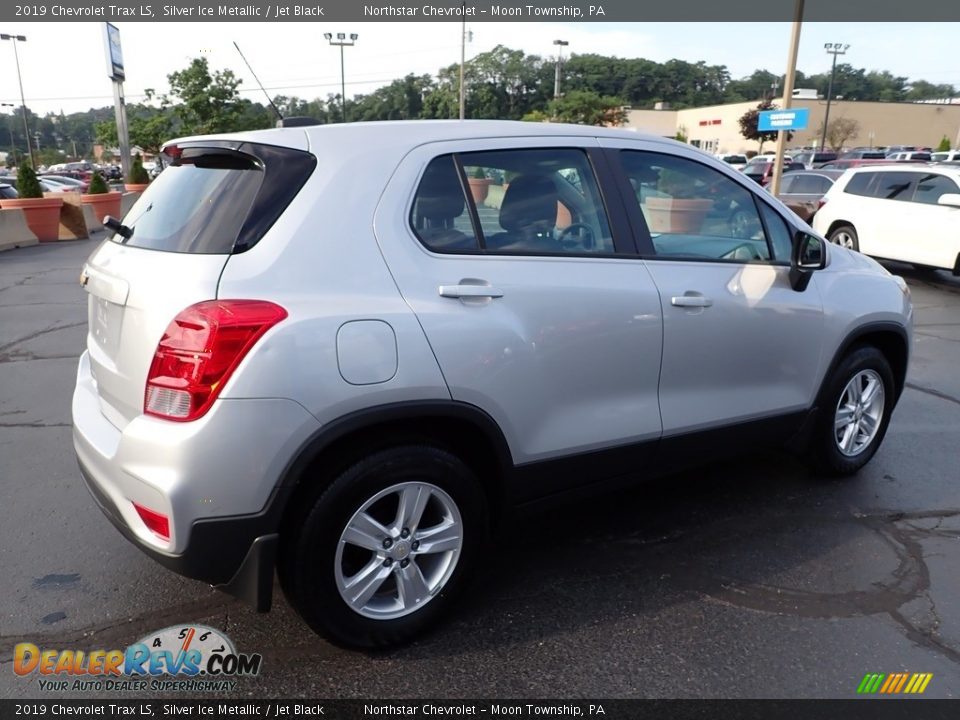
(793, 119)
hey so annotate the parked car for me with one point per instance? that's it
(910, 155)
(841, 164)
(810, 159)
(352, 381)
(69, 183)
(737, 162)
(45, 184)
(903, 213)
(863, 155)
(760, 168)
(7, 191)
(947, 156)
(803, 191)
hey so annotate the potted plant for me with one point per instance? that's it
(138, 179)
(41, 213)
(678, 209)
(479, 185)
(101, 198)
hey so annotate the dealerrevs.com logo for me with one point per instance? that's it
(187, 658)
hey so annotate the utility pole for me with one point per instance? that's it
(787, 95)
(834, 49)
(463, 61)
(559, 64)
(342, 42)
(23, 103)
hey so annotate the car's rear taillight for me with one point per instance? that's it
(821, 202)
(157, 523)
(199, 350)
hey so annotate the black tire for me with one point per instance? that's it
(843, 232)
(309, 561)
(824, 447)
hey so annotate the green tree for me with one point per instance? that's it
(749, 124)
(98, 186)
(839, 130)
(138, 175)
(400, 100)
(944, 145)
(585, 107)
(27, 184)
(207, 103)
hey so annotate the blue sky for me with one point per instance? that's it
(63, 65)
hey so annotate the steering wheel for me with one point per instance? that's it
(584, 231)
(741, 224)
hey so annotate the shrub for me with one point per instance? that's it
(138, 176)
(27, 184)
(98, 186)
(944, 145)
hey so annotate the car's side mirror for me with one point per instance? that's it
(949, 199)
(808, 255)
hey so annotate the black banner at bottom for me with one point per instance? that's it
(887, 709)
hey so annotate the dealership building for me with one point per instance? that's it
(716, 128)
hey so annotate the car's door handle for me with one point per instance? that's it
(693, 301)
(470, 291)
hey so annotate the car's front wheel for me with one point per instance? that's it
(855, 410)
(845, 236)
(386, 547)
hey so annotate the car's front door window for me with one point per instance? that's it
(693, 211)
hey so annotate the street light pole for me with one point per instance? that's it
(834, 49)
(23, 103)
(342, 42)
(556, 74)
(13, 147)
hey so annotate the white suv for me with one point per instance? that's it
(906, 213)
(342, 352)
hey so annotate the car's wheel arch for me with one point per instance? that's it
(889, 338)
(462, 429)
(838, 224)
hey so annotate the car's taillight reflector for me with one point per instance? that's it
(156, 522)
(199, 350)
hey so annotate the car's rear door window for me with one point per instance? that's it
(931, 186)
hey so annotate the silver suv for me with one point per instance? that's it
(341, 352)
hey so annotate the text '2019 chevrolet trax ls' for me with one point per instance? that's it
(337, 352)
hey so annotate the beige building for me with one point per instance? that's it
(716, 128)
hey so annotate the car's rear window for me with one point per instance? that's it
(216, 200)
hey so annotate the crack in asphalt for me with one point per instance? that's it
(910, 580)
(936, 337)
(36, 424)
(935, 393)
(18, 357)
(120, 631)
(32, 336)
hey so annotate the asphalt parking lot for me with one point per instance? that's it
(747, 579)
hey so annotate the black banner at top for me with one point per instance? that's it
(738, 11)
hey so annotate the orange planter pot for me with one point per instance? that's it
(675, 215)
(42, 215)
(103, 204)
(479, 188)
(135, 187)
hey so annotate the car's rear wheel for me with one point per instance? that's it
(386, 547)
(855, 409)
(845, 236)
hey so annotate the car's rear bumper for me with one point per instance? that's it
(218, 494)
(236, 555)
